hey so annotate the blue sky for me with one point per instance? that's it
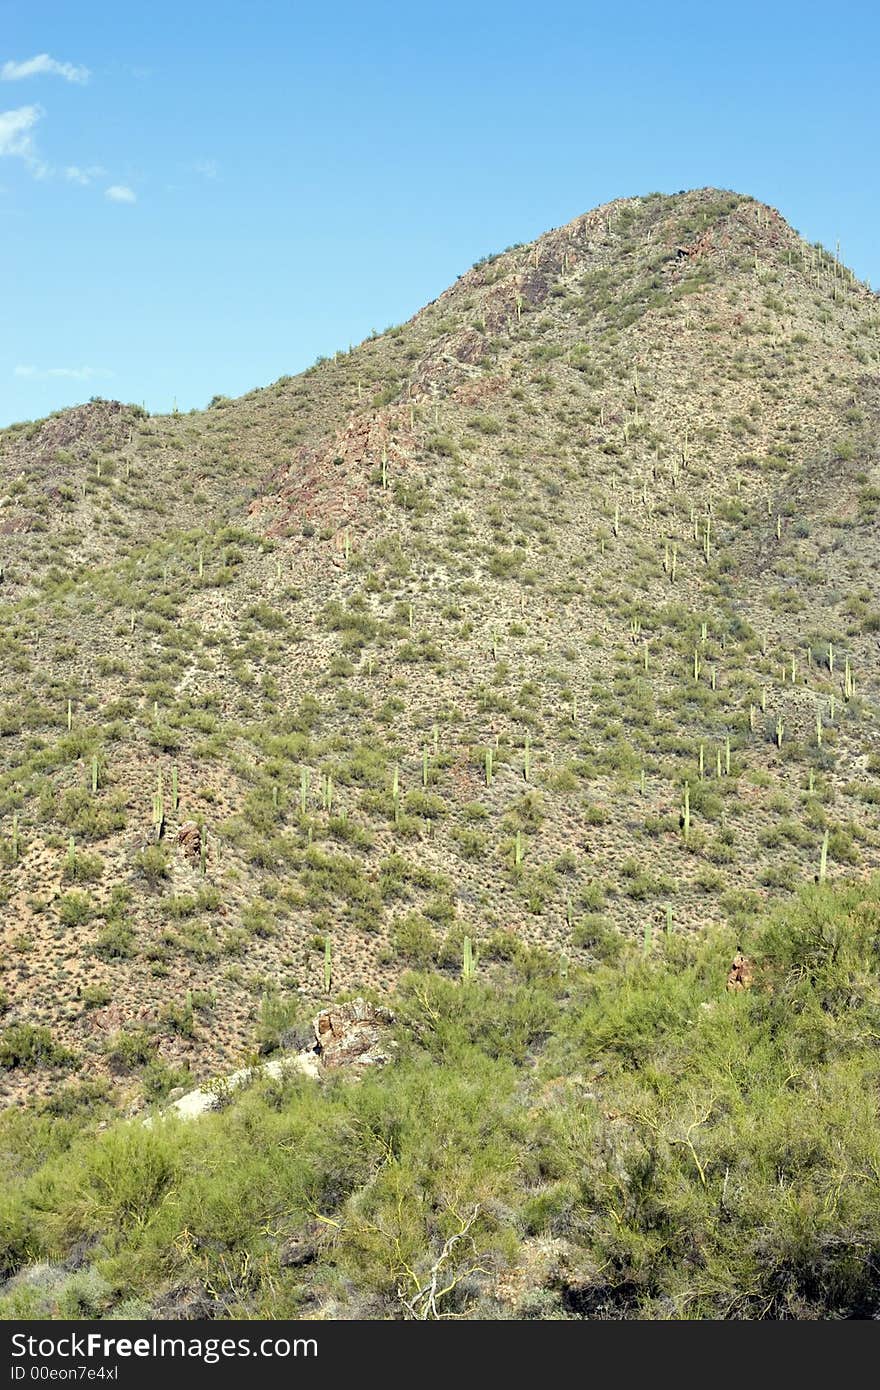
(198, 198)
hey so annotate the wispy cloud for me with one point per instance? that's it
(71, 373)
(16, 136)
(40, 66)
(75, 174)
(207, 168)
(121, 193)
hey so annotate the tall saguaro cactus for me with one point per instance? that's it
(467, 963)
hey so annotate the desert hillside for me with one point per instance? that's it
(549, 618)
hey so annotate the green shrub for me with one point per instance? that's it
(415, 940)
(115, 942)
(28, 1046)
(75, 909)
(153, 863)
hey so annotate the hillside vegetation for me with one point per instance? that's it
(614, 1142)
(549, 618)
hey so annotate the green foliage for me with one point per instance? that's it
(82, 868)
(528, 591)
(74, 909)
(27, 1046)
(710, 1116)
(153, 863)
(415, 940)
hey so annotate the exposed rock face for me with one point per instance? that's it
(189, 837)
(114, 1018)
(355, 1033)
(740, 975)
(213, 1095)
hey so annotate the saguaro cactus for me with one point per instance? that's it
(158, 806)
(848, 682)
(467, 963)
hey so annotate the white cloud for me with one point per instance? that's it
(121, 193)
(16, 138)
(41, 65)
(207, 168)
(71, 373)
(75, 174)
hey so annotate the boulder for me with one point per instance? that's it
(295, 1253)
(740, 974)
(355, 1033)
(189, 837)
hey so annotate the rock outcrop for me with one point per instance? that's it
(354, 1034)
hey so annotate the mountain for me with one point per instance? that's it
(548, 618)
